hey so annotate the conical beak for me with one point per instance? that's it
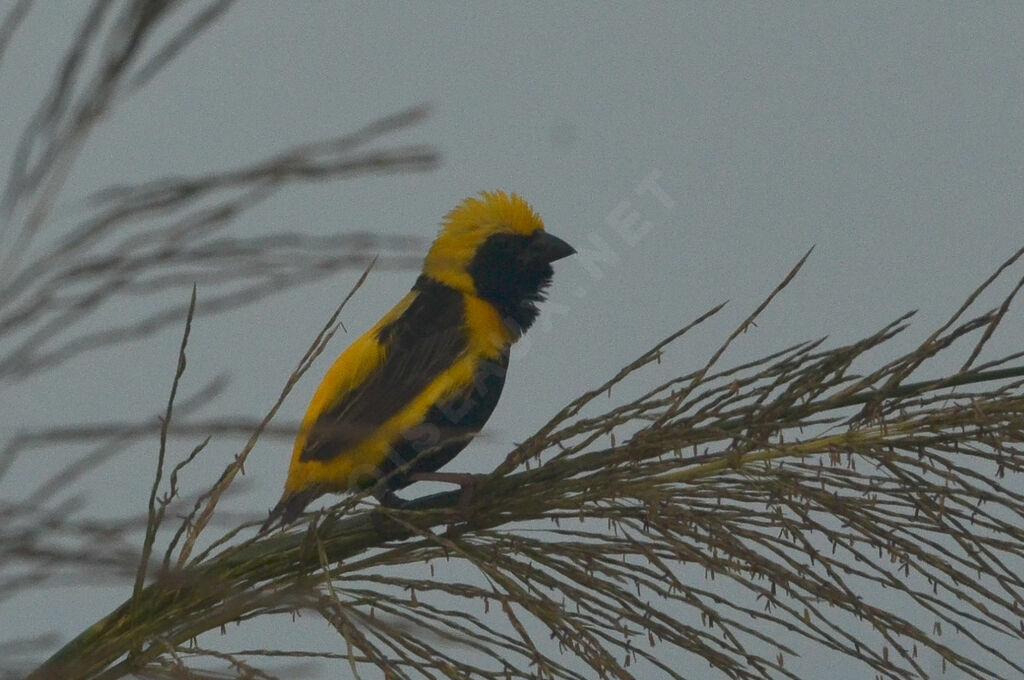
(548, 248)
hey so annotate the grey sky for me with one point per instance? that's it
(890, 137)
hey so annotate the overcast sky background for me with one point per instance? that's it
(891, 138)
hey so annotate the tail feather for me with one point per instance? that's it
(289, 508)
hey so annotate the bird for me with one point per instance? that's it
(411, 393)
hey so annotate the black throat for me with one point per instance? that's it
(506, 276)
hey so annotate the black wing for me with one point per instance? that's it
(422, 343)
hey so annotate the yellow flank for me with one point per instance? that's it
(487, 337)
(360, 463)
(350, 370)
(465, 229)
